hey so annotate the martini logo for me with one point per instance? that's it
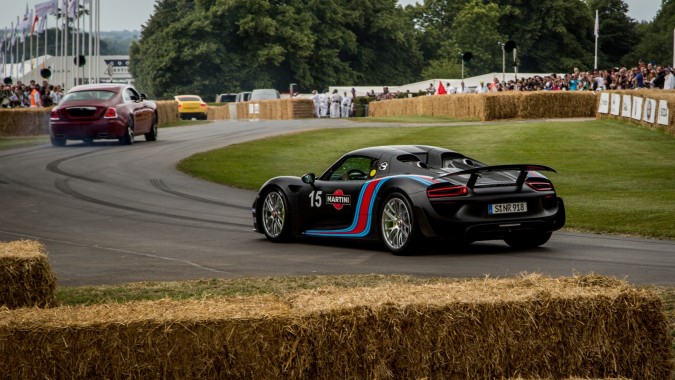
(338, 199)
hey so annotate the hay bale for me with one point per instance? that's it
(167, 111)
(218, 112)
(26, 278)
(24, 121)
(276, 109)
(529, 327)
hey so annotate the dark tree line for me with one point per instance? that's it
(215, 46)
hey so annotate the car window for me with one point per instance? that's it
(130, 95)
(353, 169)
(189, 98)
(88, 95)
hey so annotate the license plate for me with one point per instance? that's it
(507, 208)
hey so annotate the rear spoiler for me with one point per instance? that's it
(523, 168)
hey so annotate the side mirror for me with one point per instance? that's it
(143, 96)
(309, 178)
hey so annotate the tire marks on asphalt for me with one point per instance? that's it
(63, 184)
(160, 185)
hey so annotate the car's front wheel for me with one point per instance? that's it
(274, 216)
(522, 240)
(397, 224)
(128, 137)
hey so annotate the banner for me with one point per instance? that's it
(650, 111)
(637, 108)
(664, 115)
(625, 110)
(604, 103)
(44, 9)
(616, 104)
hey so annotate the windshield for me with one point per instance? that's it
(189, 99)
(88, 95)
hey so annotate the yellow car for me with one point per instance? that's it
(190, 106)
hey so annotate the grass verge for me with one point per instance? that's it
(184, 123)
(18, 142)
(615, 177)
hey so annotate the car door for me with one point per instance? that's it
(138, 109)
(333, 204)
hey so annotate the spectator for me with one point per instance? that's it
(669, 81)
(431, 90)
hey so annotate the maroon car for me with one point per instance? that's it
(103, 111)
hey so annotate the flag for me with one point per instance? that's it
(72, 8)
(14, 31)
(441, 89)
(43, 22)
(43, 9)
(596, 31)
(35, 21)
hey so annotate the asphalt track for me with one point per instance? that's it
(111, 214)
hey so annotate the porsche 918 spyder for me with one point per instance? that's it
(404, 193)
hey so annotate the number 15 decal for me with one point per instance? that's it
(315, 198)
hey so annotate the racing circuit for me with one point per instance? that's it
(111, 214)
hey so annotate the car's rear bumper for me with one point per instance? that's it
(434, 226)
(85, 130)
(197, 115)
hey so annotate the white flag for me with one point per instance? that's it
(41, 26)
(72, 8)
(596, 31)
(43, 9)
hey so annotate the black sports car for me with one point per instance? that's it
(400, 194)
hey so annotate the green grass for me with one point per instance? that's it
(614, 177)
(18, 142)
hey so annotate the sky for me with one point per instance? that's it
(132, 14)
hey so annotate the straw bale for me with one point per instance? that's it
(26, 277)
(24, 121)
(528, 327)
(219, 112)
(167, 111)
(556, 104)
(276, 109)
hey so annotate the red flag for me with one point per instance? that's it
(441, 89)
(35, 21)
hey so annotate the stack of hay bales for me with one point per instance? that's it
(492, 106)
(24, 121)
(528, 327)
(276, 109)
(219, 112)
(26, 278)
(167, 111)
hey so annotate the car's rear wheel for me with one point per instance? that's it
(152, 135)
(274, 216)
(525, 240)
(128, 137)
(397, 224)
(58, 141)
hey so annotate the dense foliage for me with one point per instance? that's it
(214, 46)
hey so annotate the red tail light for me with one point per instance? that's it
(539, 185)
(447, 191)
(202, 105)
(180, 105)
(53, 115)
(110, 113)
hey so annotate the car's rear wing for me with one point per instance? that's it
(524, 169)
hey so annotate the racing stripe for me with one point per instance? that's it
(363, 218)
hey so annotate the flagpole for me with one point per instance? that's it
(597, 32)
(90, 39)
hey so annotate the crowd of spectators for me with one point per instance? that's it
(649, 76)
(33, 95)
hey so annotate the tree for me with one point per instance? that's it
(229, 45)
(655, 38)
(617, 31)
